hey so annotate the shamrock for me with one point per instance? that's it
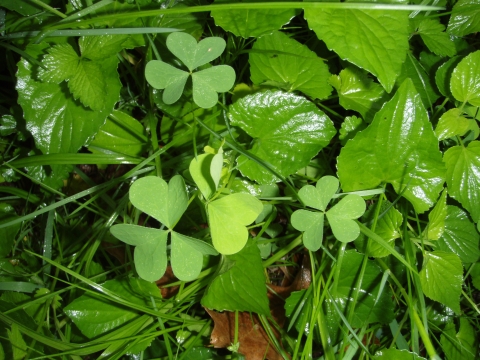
(166, 203)
(206, 83)
(229, 215)
(340, 216)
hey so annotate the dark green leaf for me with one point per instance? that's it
(7, 235)
(461, 345)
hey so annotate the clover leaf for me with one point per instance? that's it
(340, 216)
(166, 203)
(206, 83)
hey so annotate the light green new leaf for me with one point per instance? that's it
(60, 63)
(228, 217)
(437, 41)
(311, 223)
(465, 81)
(288, 131)
(207, 83)
(318, 197)
(216, 167)
(436, 218)
(101, 47)
(241, 286)
(166, 203)
(150, 255)
(200, 170)
(356, 91)
(460, 236)
(463, 176)
(398, 147)
(461, 345)
(165, 76)
(376, 41)
(465, 18)
(340, 217)
(452, 123)
(193, 54)
(280, 59)
(442, 277)
(251, 23)
(89, 84)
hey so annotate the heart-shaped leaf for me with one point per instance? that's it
(340, 217)
(165, 202)
(311, 223)
(185, 47)
(228, 217)
(164, 76)
(318, 197)
(181, 250)
(207, 83)
(150, 255)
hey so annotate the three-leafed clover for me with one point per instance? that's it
(166, 203)
(340, 216)
(206, 83)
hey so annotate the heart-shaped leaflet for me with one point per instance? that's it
(340, 217)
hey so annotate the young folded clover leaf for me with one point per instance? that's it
(229, 215)
(340, 216)
(166, 203)
(206, 83)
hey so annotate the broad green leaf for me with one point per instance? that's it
(463, 176)
(84, 311)
(7, 235)
(153, 196)
(436, 218)
(242, 287)
(319, 196)
(356, 91)
(150, 255)
(351, 125)
(251, 23)
(209, 82)
(437, 41)
(278, 58)
(460, 236)
(89, 84)
(121, 134)
(104, 46)
(465, 82)
(452, 123)
(444, 74)
(185, 47)
(465, 18)
(376, 41)
(288, 131)
(55, 119)
(228, 217)
(185, 259)
(60, 63)
(200, 170)
(398, 147)
(461, 345)
(311, 223)
(442, 277)
(395, 354)
(340, 217)
(19, 347)
(161, 75)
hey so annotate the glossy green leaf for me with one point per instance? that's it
(277, 58)
(465, 82)
(340, 217)
(288, 131)
(185, 259)
(7, 235)
(444, 74)
(228, 217)
(209, 82)
(200, 170)
(165, 76)
(356, 91)
(84, 311)
(121, 134)
(250, 22)
(465, 18)
(242, 286)
(460, 236)
(398, 147)
(351, 125)
(395, 354)
(436, 218)
(165, 202)
(376, 41)
(52, 115)
(150, 255)
(463, 176)
(311, 223)
(442, 277)
(319, 196)
(451, 124)
(462, 345)
(60, 63)
(437, 41)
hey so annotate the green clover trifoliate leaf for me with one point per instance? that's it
(288, 131)
(442, 277)
(340, 217)
(437, 41)
(465, 81)
(280, 59)
(311, 223)
(206, 83)
(398, 147)
(465, 18)
(319, 196)
(463, 176)
(182, 249)
(452, 123)
(383, 36)
(228, 217)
